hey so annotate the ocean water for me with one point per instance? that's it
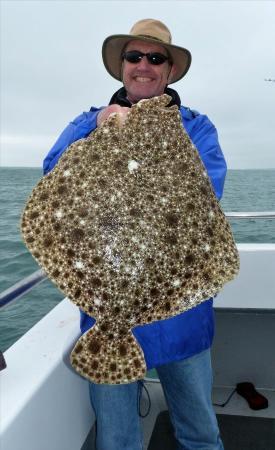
(245, 190)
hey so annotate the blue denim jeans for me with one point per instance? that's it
(187, 387)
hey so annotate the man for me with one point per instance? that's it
(146, 62)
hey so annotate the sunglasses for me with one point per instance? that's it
(134, 57)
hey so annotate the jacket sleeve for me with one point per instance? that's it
(204, 136)
(79, 128)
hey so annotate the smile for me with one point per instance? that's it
(143, 79)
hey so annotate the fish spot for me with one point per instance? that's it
(94, 346)
(154, 292)
(189, 259)
(82, 212)
(77, 234)
(181, 167)
(190, 206)
(170, 292)
(95, 157)
(206, 276)
(62, 189)
(34, 215)
(167, 306)
(135, 212)
(172, 219)
(44, 196)
(78, 348)
(96, 259)
(137, 363)
(113, 367)
(48, 241)
(209, 231)
(171, 239)
(96, 282)
(94, 364)
(77, 293)
(56, 273)
(124, 284)
(102, 182)
(79, 274)
(30, 239)
(105, 327)
(57, 227)
(149, 261)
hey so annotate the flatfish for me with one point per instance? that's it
(128, 226)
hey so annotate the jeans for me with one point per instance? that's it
(187, 387)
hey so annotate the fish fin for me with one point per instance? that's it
(104, 358)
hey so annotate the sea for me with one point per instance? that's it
(245, 190)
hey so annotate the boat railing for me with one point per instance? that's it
(251, 215)
(27, 284)
(21, 287)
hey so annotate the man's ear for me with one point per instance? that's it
(171, 73)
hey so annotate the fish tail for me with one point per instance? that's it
(108, 358)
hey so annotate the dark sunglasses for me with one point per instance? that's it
(134, 57)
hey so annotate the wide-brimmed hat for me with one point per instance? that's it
(148, 30)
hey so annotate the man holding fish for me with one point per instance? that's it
(146, 62)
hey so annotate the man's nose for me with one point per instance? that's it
(143, 63)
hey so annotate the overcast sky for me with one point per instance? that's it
(51, 70)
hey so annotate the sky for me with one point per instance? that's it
(52, 70)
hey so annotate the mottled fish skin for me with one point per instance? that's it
(127, 225)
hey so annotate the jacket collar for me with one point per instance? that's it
(120, 98)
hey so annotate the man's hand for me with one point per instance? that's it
(105, 113)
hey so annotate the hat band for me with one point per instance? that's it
(150, 37)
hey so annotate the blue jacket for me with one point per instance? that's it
(192, 331)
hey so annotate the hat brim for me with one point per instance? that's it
(114, 45)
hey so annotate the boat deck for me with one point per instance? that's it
(241, 428)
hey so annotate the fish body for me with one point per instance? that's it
(128, 226)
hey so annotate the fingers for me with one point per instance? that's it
(106, 112)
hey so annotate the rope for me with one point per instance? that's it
(225, 403)
(141, 386)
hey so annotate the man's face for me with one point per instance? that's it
(145, 80)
